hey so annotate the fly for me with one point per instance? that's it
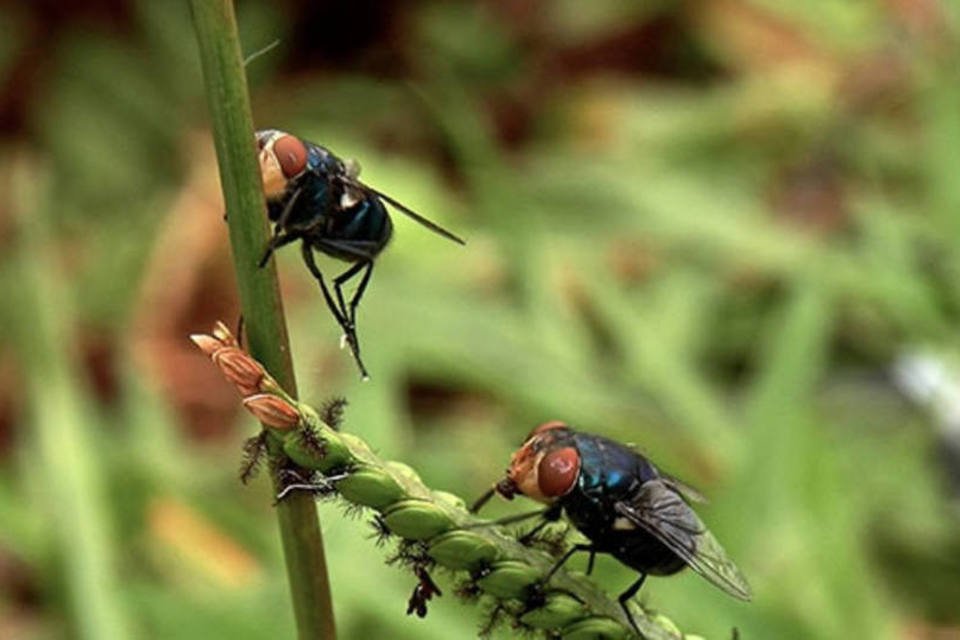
(315, 197)
(621, 502)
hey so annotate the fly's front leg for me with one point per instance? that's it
(574, 549)
(277, 241)
(552, 514)
(281, 238)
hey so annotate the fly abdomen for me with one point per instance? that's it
(641, 551)
(367, 220)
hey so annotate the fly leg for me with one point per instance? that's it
(572, 550)
(626, 595)
(335, 309)
(311, 263)
(529, 535)
(349, 311)
(509, 519)
(281, 239)
(593, 556)
(550, 515)
(277, 241)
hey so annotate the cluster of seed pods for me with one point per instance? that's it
(495, 563)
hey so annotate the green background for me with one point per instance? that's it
(714, 229)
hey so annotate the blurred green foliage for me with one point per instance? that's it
(709, 228)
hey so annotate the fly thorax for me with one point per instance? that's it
(351, 197)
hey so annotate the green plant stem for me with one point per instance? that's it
(260, 300)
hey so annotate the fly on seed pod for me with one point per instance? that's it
(621, 502)
(315, 197)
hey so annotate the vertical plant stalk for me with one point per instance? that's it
(260, 302)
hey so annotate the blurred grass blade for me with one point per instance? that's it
(65, 470)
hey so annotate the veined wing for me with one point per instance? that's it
(429, 224)
(661, 511)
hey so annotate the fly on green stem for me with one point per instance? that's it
(315, 197)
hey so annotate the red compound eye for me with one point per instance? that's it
(558, 471)
(291, 154)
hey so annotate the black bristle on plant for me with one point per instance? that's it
(381, 532)
(254, 451)
(495, 618)
(467, 590)
(331, 412)
(310, 441)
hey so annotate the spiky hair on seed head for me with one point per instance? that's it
(381, 532)
(467, 589)
(254, 451)
(311, 442)
(412, 554)
(496, 615)
(352, 510)
(332, 412)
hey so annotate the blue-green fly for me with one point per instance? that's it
(317, 198)
(621, 502)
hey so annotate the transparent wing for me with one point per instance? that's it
(661, 511)
(691, 494)
(429, 224)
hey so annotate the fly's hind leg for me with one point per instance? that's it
(625, 597)
(349, 311)
(338, 311)
(339, 281)
(311, 263)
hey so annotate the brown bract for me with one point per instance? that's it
(272, 411)
(246, 374)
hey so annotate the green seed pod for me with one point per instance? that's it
(358, 448)
(417, 519)
(462, 549)
(558, 611)
(311, 450)
(404, 471)
(596, 628)
(450, 499)
(508, 579)
(371, 487)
